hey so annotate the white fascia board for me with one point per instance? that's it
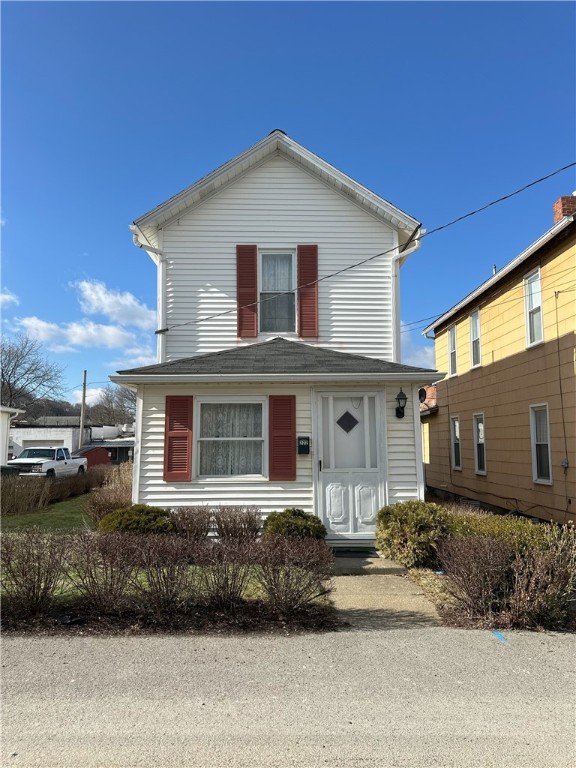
(531, 250)
(226, 173)
(184, 378)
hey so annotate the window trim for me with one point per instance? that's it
(196, 439)
(453, 420)
(475, 417)
(475, 313)
(288, 251)
(529, 342)
(452, 369)
(533, 408)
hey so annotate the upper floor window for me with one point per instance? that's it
(479, 444)
(475, 355)
(533, 308)
(452, 350)
(277, 295)
(455, 440)
(540, 437)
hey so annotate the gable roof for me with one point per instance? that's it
(276, 142)
(275, 359)
(546, 239)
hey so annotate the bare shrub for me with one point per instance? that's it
(544, 583)
(24, 494)
(115, 493)
(98, 566)
(32, 566)
(193, 523)
(293, 572)
(479, 576)
(167, 579)
(225, 572)
(237, 523)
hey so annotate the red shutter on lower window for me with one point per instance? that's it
(308, 294)
(246, 290)
(178, 438)
(282, 437)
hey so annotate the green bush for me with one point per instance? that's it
(408, 532)
(294, 523)
(520, 532)
(139, 518)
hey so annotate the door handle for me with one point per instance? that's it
(320, 466)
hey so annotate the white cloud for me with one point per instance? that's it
(121, 307)
(415, 350)
(135, 357)
(67, 336)
(92, 396)
(7, 297)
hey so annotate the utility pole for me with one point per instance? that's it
(82, 411)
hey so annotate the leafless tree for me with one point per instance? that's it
(26, 375)
(115, 405)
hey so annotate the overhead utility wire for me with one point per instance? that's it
(375, 256)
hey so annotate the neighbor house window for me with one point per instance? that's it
(455, 439)
(475, 338)
(533, 305)
(230, 439)
(277, 294)
(452, 350)
(479, 444)
(540, 435)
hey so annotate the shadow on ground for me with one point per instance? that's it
(384, 619)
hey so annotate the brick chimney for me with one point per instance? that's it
(564, 206)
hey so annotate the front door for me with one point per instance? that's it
(349, 488)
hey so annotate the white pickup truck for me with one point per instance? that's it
(49, 462)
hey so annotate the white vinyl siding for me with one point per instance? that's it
(475, 351)
(533, 308)
(456, 447)
(403, 449)
(479, 444)
(452, 361)
(540, 439)
(277, 206)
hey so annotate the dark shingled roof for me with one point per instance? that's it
(275, 356)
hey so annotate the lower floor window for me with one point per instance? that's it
(479, 443)
(540, 434)
(455, 435)
(231, 439)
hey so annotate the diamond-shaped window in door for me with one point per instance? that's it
(347, 422)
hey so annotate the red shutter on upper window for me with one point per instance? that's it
(282, 437)
(178, 438)
(308, 294)
(246, 290)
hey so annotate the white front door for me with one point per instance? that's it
(349, 489)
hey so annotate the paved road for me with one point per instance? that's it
(392, 693)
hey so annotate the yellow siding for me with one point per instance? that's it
(512, 377)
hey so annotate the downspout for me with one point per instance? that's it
(397, 260)
(158, 257)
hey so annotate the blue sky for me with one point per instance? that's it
(110, 108)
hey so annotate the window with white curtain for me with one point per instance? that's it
(455, 439)
(479, 444)
(277, 294)
(533, 303)
(230, 439)
(540, 434)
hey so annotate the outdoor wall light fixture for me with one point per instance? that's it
(401, 399)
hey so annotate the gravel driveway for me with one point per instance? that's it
(394, 693)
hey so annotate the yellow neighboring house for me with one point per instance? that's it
(504, 430)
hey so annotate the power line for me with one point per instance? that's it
(370, 258)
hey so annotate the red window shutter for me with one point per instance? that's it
(282, 437)
(178, 438)
(246, 290)
(308, 294)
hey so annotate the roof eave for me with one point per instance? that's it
(186, 378)
(506, 270)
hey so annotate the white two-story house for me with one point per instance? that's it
(278, 369)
